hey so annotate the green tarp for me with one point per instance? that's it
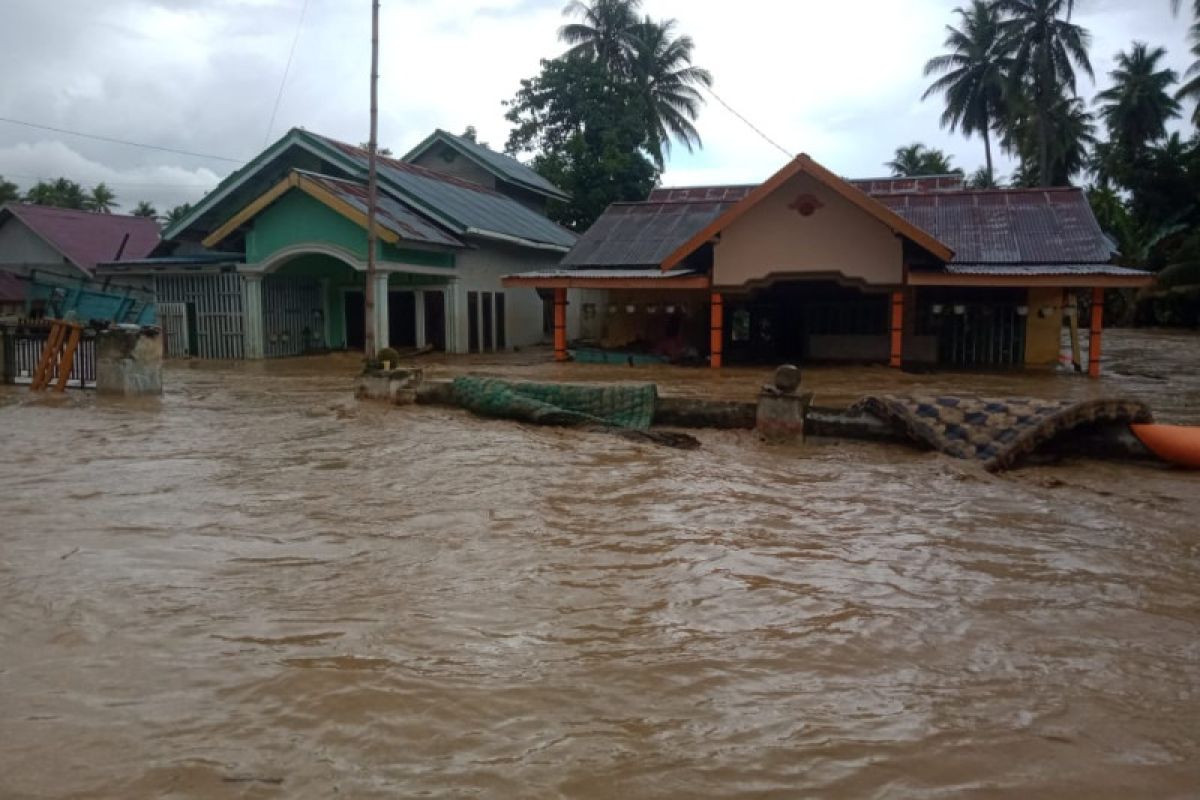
(623, 406)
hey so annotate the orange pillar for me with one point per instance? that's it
(897, 330)
(716, 341)
(560, 324)
(1095, 333)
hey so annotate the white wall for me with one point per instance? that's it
(481, 271)
(22, 251)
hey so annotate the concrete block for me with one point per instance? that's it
(780, 417)
(129, 361)
(396, 386)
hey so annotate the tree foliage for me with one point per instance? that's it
(145, 208)
(9, 191)
(916, 159)
(974, 75)
(600, 120)
(60, 193)
(588, 134)
(1137, 107)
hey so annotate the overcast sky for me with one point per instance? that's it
(839, 80)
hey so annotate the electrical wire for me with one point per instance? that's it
(286, 71)
(125, 142)
(750, 124)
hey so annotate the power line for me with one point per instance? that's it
(750, 124)
(286, 70)
(121, 141)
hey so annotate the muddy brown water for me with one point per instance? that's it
(256, 587)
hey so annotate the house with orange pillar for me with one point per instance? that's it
(811, 267)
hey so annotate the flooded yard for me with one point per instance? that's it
(257, 587)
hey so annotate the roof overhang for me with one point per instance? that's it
(610, 279)
(1080, 281)
(442, 137)
(803, 164)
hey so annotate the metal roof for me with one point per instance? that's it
(642, 234)
(86, 238)
(1034, 270)
(502, 166)
(391, 214)
(607, 274)
(462, 206)
(1010, 226)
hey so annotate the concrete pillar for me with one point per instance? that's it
(128, 362)
(716, 343)
(326, 331)
(381, 311)
(456, 317)
(1094, 335)
(897, 350)
(560, 325)
(252, 310)
(419, 316)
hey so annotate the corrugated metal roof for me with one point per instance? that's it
(392, 215)
(1033, 270)
(642, 234)
(1009, 226)
(652, 273)
(463, 206)
(717, 193)
(86, 238)
(924, 184)
(501, 165)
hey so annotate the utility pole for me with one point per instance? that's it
(369, 298)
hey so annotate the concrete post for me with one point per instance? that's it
(455, 327)
(129, 362)
(1095, 333)
(252, 310)
(560, 325)
(419, 316)
(897, 352)
(716, 342)
(381, 311)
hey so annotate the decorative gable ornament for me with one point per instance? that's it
(806, 205)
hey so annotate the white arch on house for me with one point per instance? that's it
(281, 257)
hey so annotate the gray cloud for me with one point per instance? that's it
(841, 81)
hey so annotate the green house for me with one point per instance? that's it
(273, 261)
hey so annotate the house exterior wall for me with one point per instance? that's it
(480, 271)
(449, 161)
(1043, 327)
(839, 238)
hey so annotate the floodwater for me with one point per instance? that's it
(258, 588)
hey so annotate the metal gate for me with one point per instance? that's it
(23, 345)
(216, 303)
(173, 319)
(293, 316)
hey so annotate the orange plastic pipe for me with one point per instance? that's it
(897, 330)
(716, 331)
(560, 324)
(1094, 335)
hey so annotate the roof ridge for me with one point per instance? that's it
(63, 210)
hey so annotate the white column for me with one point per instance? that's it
(454, 328)
(419, 316)
(252, 310)
(381, 311)
(325, 311)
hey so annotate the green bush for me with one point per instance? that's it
(389, 355)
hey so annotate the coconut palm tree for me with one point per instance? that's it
(102, 199)
(177, 213)
(1046, 49)
(974, 75)
(1137, 106)
(916, 159)
(663, 70)
(9, 191)
(606, 32)
(1069, 150)
(145, 208)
